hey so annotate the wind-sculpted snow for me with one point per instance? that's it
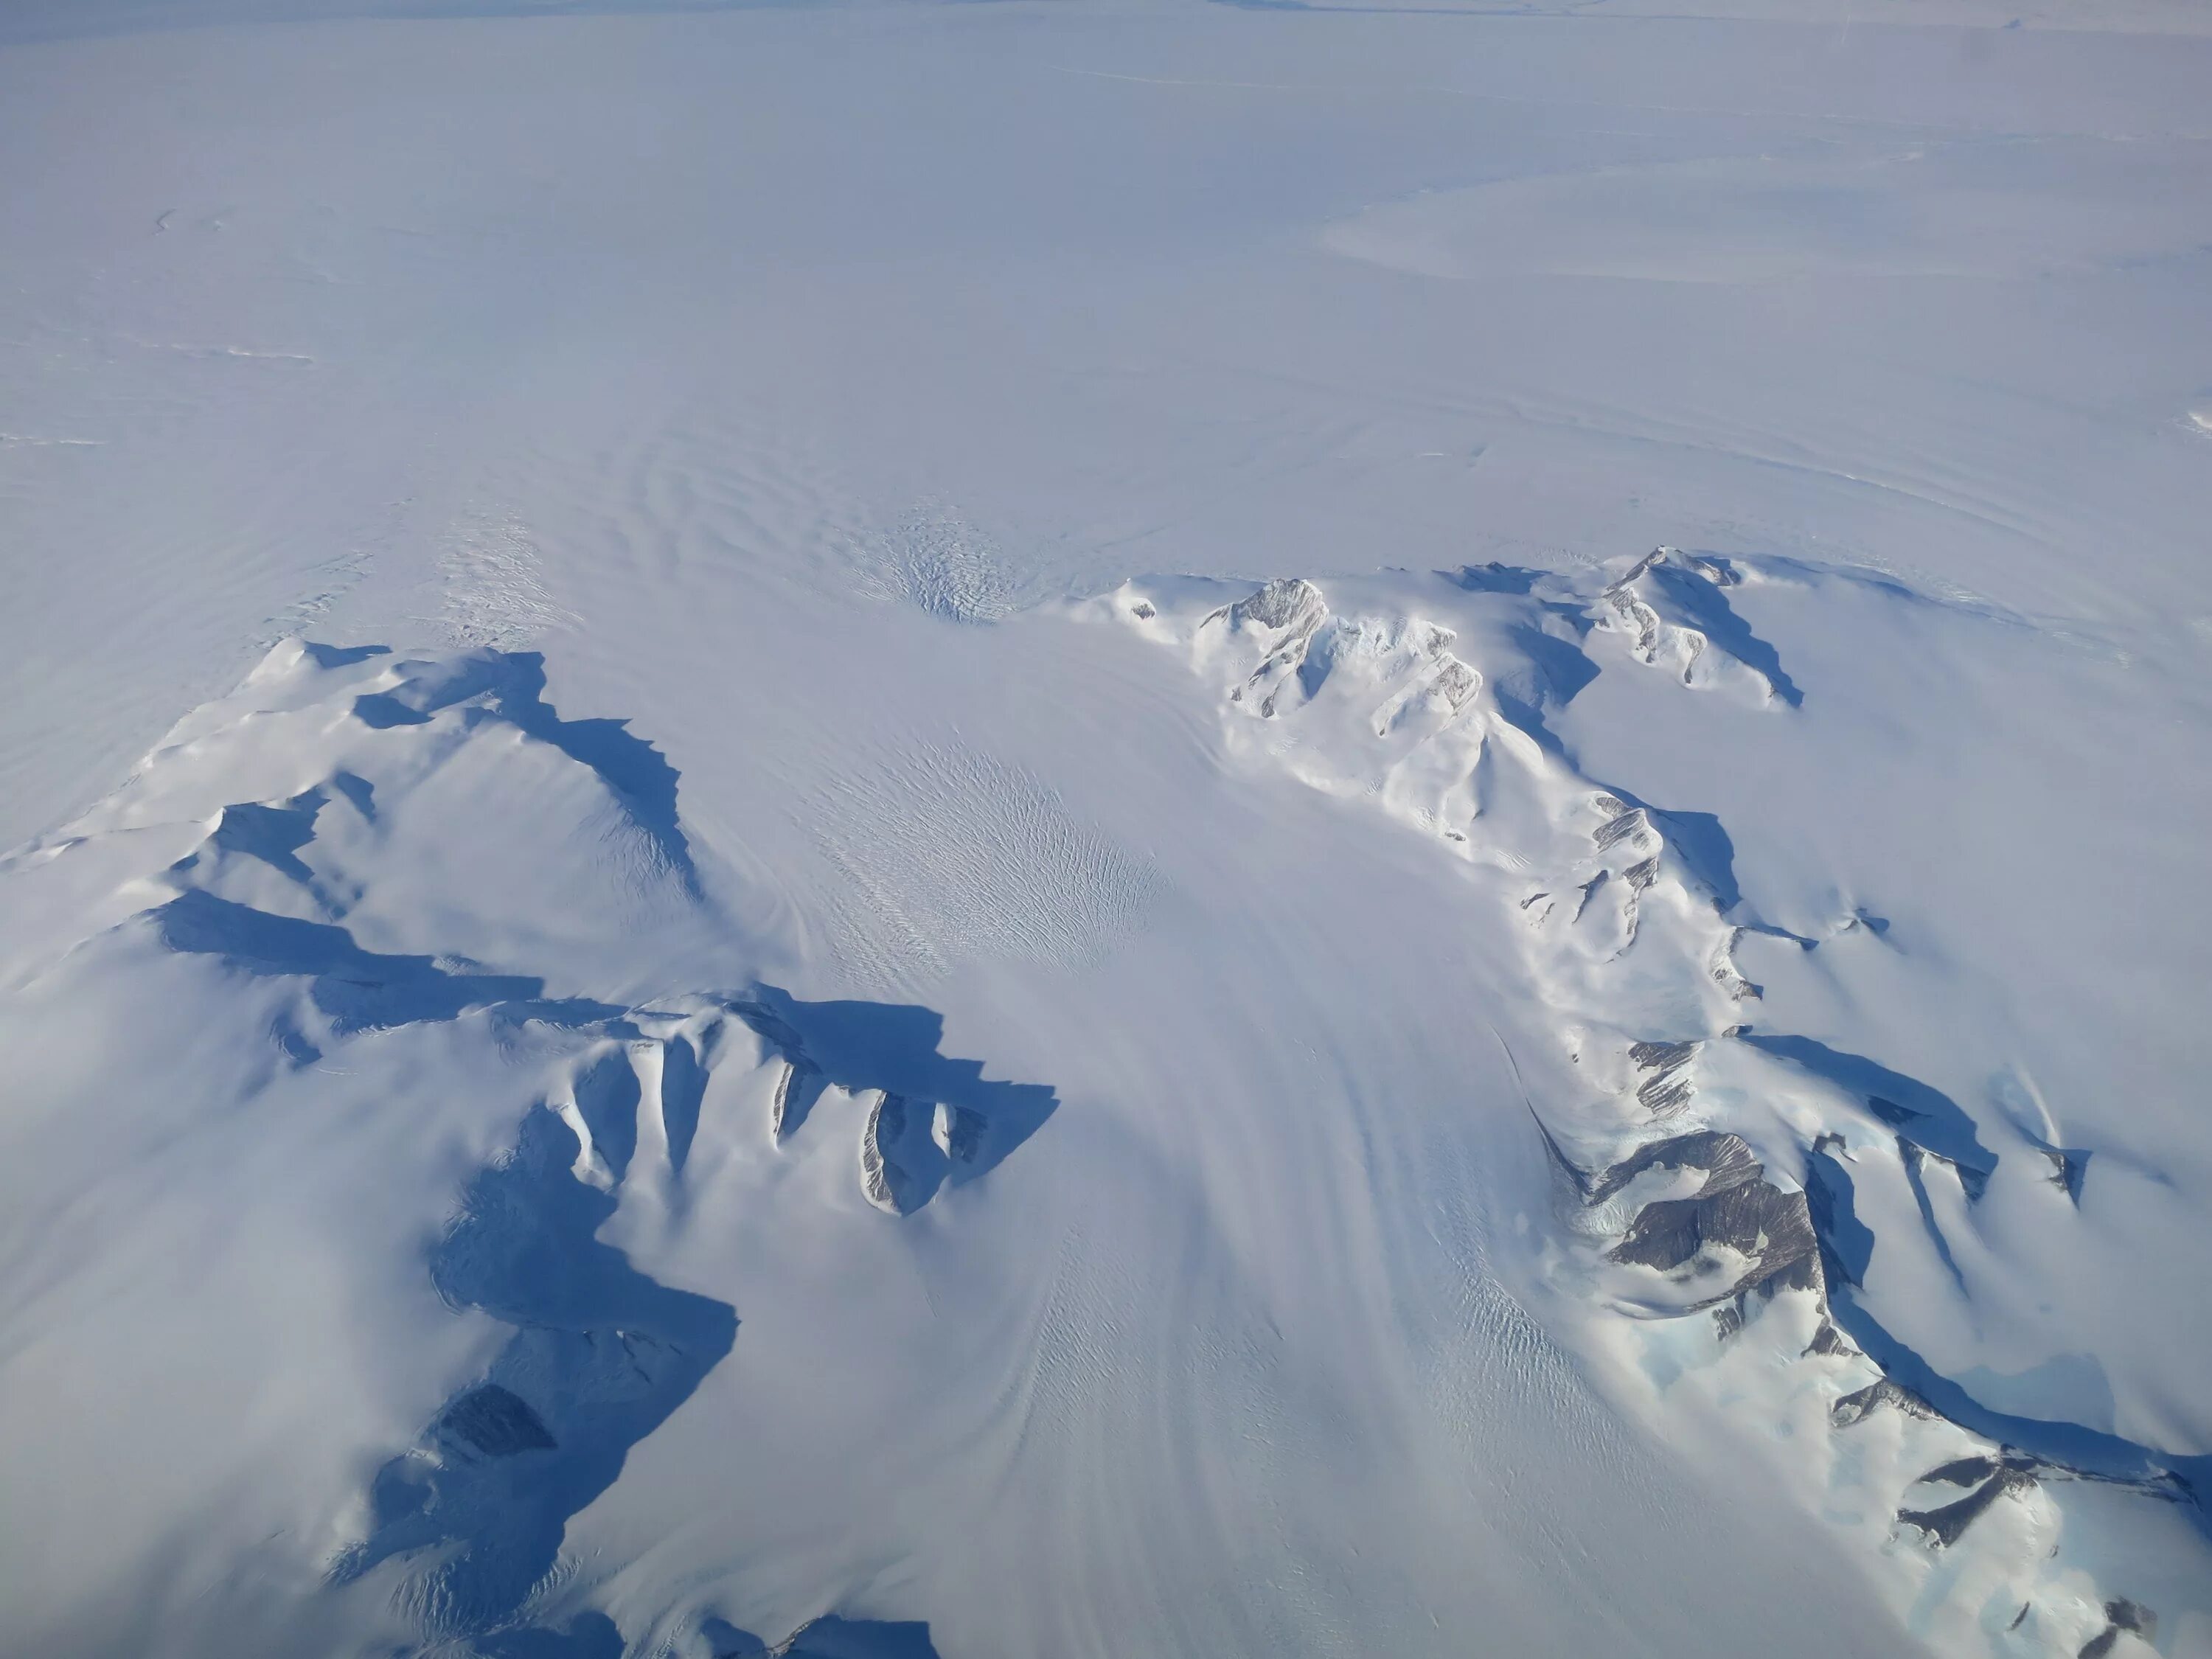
(936, 561)
(1795, 1194)
(325, 909)
(945, 855)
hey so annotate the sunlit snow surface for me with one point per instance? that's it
(1104, 830)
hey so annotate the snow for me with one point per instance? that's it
(883, 825)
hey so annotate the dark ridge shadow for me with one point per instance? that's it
(1557, 669)
(637, 775)
(827, 1638)
(1703, 840)
(2072, 1446)
(1846, 1242)
(589, 1636)
(1847, 1246)
(1915, 1161)
(801, 1090)
(1927, 1117)
(682, 1092)
(1314, 665)
(1564, 667)
(607, 1097)
(341, 656)
(803, 1083)
(273, 835)
(1493, 577)
(355, 989)
(894, 1048)
(601, 1356)
(2069, 1167)
(473, 1516)
(359, 791)
(1705, 604)
(380, 711)
(291, 1042)
(1553, 673)
(1811, 573)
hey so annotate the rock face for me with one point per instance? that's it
(494, 1422)
(1861, 1403)
(1945, 1524)
(885, 1184)
(1281, 606)
(2122, 1618)
(958, 1131)
(910, 1148)
(1762, 1234)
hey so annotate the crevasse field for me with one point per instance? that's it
(1105, 829)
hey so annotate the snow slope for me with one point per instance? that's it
(657, 1004)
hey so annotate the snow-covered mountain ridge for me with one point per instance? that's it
(1710, 1164)
(407, 797)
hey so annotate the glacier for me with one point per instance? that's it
(1130, 827)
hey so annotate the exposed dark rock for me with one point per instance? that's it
(964, 1136)
(1857, 1407)
(1620, 827)
(1974, 1182)
(1666, 1092)
(1891, 1113)
(883, 1180)
(1726, 973)
(1945, 1524)
(772, 1027)
(2122, 1617)
(1963, 1471)
(495, 1421)
(1846, 1242)
(1660, 1056)
(1726, 1159)
(1750, 1216)
(1930, 1119)
(1590, 891)
(2068, 1166)
(1278, 604)
(1827, 1340)
(1496, 578)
